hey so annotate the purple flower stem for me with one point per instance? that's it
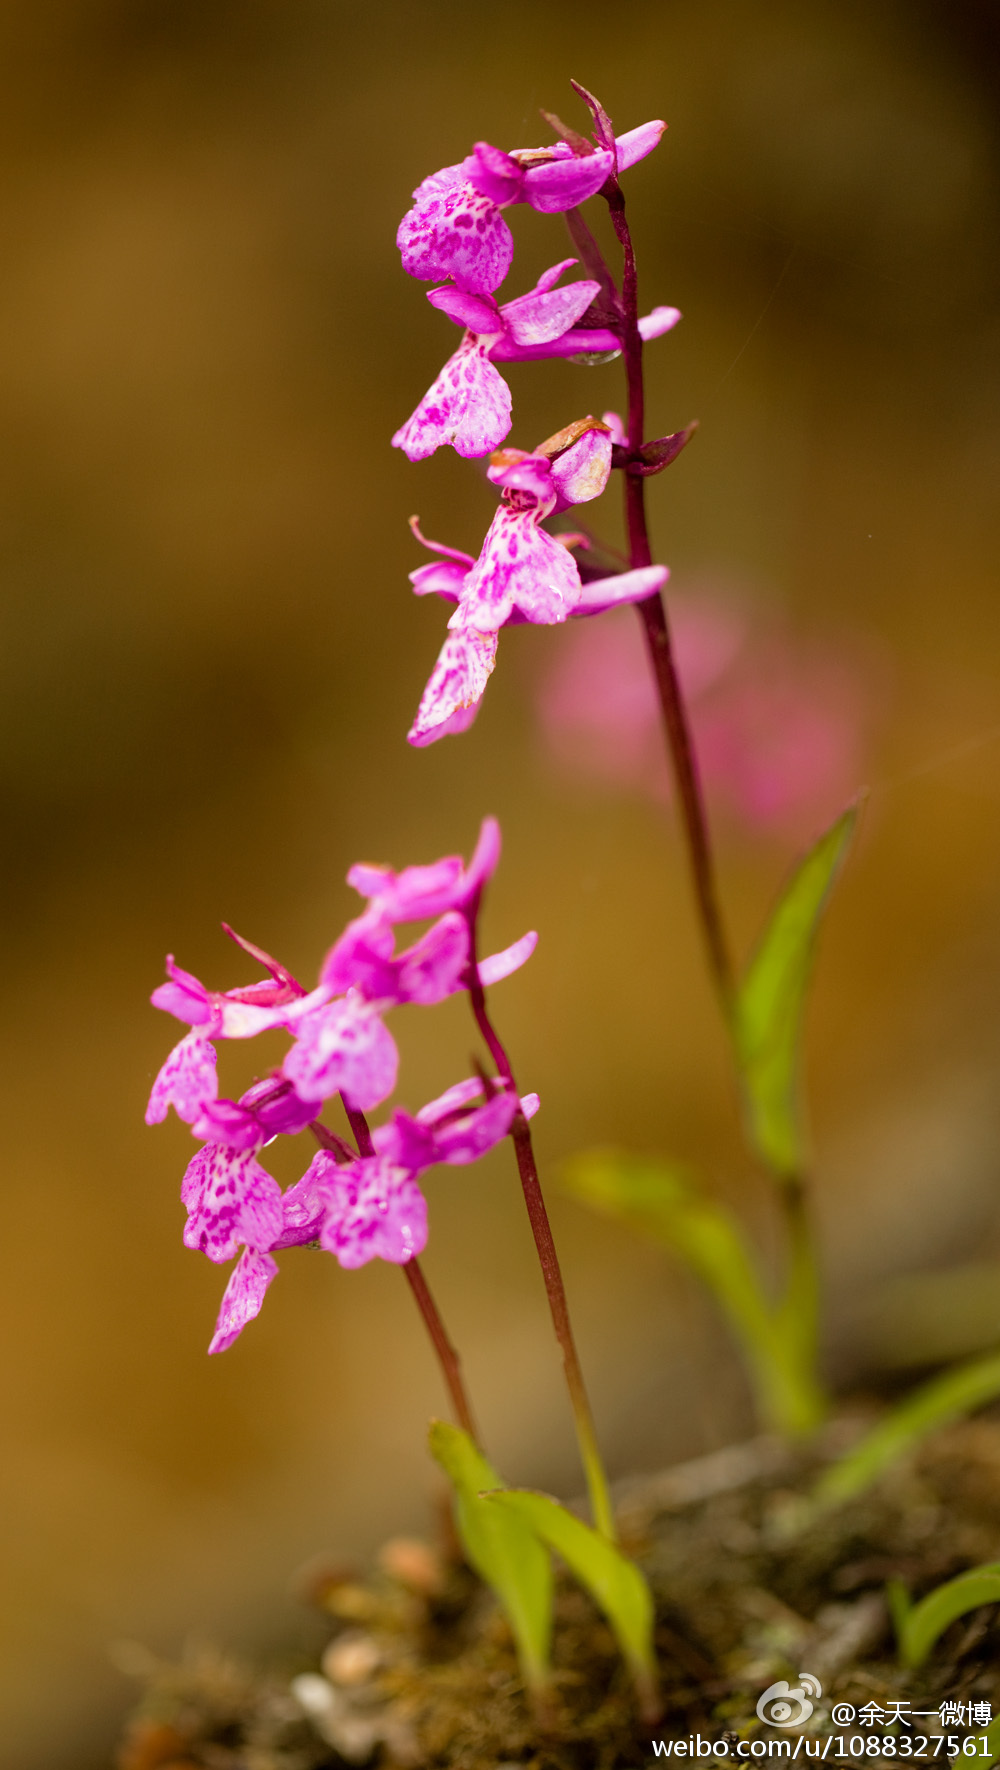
(447, 1357)
(653, 615)
(538, 1217)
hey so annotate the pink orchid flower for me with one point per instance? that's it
(367, 1209)
(455, 227)
(469, 405)
(522, 574)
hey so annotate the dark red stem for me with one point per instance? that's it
(447, 1357)
(541, 1229)
(653, 616)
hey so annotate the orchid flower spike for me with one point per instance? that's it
(455, 227)
(522, 574)
(469, 404)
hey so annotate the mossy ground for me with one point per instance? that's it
(420, 1668)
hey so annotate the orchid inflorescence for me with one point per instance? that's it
(360, 1198)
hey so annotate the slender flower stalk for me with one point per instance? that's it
(802, 1274)
(653, 616)
(520, 1131)
(447, 1357)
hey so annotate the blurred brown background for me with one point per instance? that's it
(211, 657)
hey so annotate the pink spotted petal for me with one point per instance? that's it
(468, 406)
(477, 313)
(243, 1297)
(544, 315)
(451, 699)
(376, 1211)
(503, 964)
(581, 472)
(456, 233)
(520, 568)
(430, 970)
(604, 593)
(662, 319)
(230, 1200)
(635, 144)
(563, 183)
(186, 1081)
(343, 1048)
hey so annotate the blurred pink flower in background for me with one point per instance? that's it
(780, 720)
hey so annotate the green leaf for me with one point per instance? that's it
(662, 1200)
(767, 1012)
(933, 1405)
(501, 1546)
(613, 1581)
(919, 1625)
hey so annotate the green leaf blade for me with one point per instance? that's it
(769, 1004)
(613, 1581)
(919, 1627)
(502, 1547)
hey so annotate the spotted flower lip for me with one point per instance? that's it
(455, 228)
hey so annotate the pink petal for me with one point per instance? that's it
(430, 970)
(478, 313)
(243, 1297)
(363, 958)
(445, 578)
(223, 1121)
(412, 894)
(635, 144)
(616, 427)
(343, 1048)
(186, 1081)
(304, 1205)
(578, 341)
(503, 964)
(468, 406)
(484, 861)
(467, 1138)
(605, 593)
(494, 173)
(581, 472)
(375, 1211)
(563, 183)
(449, 553)
(540, 317)
(451, 699)
(550, 277)
(662, 319)
(520, 567)
(517, 471)
(456, 233)
(184, 996)
(452, 1100)
(230, 1200)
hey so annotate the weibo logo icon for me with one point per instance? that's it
(784, 1706)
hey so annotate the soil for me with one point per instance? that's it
(420, 1670)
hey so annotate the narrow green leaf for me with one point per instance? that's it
(662, 1200)
(920, 1625)
(767, 1016)
(933, 1405)
(613, 1581)
(501, 1546)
